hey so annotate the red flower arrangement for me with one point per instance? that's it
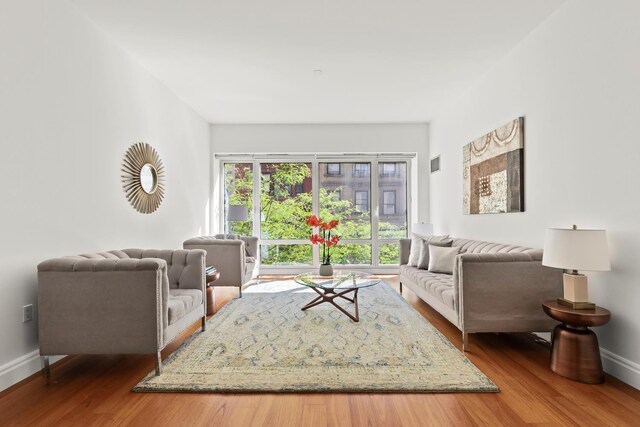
(324, 236)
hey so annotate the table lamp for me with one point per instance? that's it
(237, 213)
(573, 249)
(422, 228)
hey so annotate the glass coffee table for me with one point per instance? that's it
(341, 284)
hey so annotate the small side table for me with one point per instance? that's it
(575, 353)
(211, 299)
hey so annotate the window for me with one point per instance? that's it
(283, 208)
(297, 189)
(362, 200)
(265, 179)
(393, 202)
(351, 254)
(389, 202)
(301, 254)
(387, 169)
(362, 169)
(280, 194)
(389, 254)
(333, 169)
(338, 200)
(238, 190)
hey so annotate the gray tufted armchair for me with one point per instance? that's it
(128, 301)
(234, 256)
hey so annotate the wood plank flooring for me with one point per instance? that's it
(96, 390)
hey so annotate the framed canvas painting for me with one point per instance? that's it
(493, 174)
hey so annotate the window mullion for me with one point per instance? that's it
(257, 207)
(221, 213)
(315, 198)
(375, 214)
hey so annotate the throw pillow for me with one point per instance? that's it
(441, 259)
(416, 246)
(423, 260)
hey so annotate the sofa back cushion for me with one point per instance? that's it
(250, 246)
(249, 250)
(182, 265)
(103, 255)
(480, 247)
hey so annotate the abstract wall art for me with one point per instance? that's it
(493, 174)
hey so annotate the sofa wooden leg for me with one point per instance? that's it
(400, 287)
(204, 323)
(465, 341)
(240, 290)
(46, 368)
(159, 364)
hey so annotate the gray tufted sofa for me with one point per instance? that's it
(122, 301)
(494, 287)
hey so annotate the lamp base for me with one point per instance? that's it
(576, 305)
(576, 287)
(576, 292)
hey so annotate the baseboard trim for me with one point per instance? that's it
(623, 369)
(23, 367)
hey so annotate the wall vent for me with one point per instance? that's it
(435, 164)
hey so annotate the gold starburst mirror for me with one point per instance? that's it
(143, 177)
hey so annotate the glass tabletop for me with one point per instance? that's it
(339, 280)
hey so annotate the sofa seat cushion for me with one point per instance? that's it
(249, 267)
(437, 284)
(181, 302)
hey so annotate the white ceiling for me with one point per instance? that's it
(253, 61)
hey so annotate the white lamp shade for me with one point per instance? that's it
(576, 249)
(422, 229)
(238, 213)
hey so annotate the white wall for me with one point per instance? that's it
(576, 79)
(71, 103)
(332, 138)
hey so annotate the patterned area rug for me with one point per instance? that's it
(263, 342)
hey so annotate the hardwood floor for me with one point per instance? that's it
(96, 390)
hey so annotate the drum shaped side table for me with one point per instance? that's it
(211, 299)
(575, 353)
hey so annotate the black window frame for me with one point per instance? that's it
(329, 173)
(385, 204)
(358, 173)
(395, 169)
(358, 205)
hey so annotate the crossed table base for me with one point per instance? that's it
(328, 295)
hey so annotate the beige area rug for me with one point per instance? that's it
(263, 342)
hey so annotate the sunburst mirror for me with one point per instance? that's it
(143, 177)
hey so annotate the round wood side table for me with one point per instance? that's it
(211, 299)
(575, 353)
